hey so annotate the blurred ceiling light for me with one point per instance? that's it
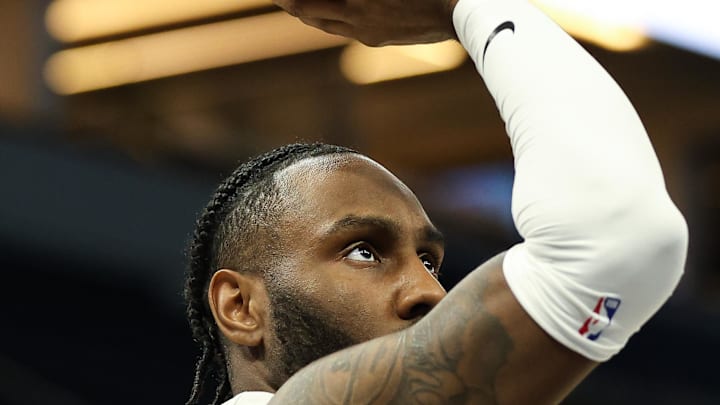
(595, 26)
(76, 20)
(690, 24)
(364, 65)
(182, 51)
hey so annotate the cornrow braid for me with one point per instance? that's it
(234, 213)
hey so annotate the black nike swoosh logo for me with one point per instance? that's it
(507, 25)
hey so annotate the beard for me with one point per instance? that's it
(304, 332)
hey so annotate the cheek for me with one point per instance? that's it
(365, 308)
(361, 300)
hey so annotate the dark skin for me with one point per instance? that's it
(348, 213)
(378, 22)
(360, 243)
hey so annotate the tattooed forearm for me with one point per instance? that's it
(452, 356)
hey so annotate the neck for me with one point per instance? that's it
(249, 372)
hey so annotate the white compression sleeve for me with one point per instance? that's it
(604, 246)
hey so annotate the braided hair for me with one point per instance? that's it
(243, 207)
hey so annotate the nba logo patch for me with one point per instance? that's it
(601, 317)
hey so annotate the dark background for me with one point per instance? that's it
(99, 191)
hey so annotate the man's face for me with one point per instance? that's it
(362, 259)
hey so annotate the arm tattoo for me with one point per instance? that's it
(452, 356)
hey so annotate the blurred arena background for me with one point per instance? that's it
(118, 117)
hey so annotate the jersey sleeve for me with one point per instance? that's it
(603, 244)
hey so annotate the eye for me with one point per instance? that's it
(430, 264)
(361, 254)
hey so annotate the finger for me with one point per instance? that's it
(335, 10)
(330, 26)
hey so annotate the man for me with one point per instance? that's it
(313, 269)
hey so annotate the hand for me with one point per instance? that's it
(378, 22)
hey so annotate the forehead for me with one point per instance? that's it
(328, 188)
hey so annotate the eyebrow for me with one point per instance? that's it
(428, 233)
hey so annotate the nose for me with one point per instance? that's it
(419, 294)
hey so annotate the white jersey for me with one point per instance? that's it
(250, 398)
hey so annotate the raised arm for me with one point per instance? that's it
(604, 246)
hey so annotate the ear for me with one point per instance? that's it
(239, 304)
